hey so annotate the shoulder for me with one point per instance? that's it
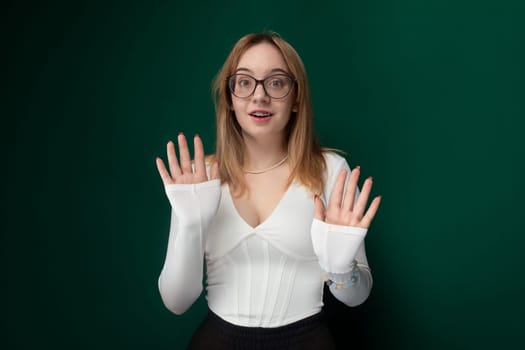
(334, 161)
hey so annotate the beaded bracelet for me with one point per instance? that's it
(341, 284)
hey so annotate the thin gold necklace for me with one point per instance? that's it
(267, 169)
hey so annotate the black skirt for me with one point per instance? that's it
(214, 333)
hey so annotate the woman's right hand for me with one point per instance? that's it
(185, 173)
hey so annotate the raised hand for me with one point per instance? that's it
(347, 211)
(184, 172)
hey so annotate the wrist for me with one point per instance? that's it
(343, 280)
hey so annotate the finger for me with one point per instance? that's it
(319, 212)
(200, 167)
(337, 192)
(362, 200)
(371, 212)
(184, 154)
(163, 172)
(172, 160)
(214, 171)
(349, 200)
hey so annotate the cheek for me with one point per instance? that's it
(288, 108)
(237, 112)
(237, 106)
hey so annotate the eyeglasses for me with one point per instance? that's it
(275, 86)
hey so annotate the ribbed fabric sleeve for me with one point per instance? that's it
(193, 208)
(340, 249)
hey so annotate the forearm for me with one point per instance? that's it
(352, 288)
(193, 207)
(180, 281)
(342, 257)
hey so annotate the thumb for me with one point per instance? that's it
(214, 171)
(319, 212)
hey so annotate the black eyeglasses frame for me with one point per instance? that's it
(261, 81)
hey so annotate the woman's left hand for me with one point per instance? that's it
(347, 211)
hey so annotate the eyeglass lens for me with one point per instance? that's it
(276, 86)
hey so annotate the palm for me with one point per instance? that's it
(344, 209)
(186, 171)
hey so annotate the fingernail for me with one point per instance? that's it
(358, 167)
(370, 178)
(181, 133)
(196, 135)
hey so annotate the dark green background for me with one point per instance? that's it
(427, 96)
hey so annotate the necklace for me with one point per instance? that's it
(267, 169)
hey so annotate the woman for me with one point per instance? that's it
(263, 230)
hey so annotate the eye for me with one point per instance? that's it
(276, 83)
(243, 82)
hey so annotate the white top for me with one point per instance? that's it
(264, 276)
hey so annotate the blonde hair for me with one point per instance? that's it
(305, 155)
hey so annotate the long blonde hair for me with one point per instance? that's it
(305, 155)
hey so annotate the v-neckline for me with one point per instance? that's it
(272, 213)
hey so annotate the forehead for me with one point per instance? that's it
(262, 59)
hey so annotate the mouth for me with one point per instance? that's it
(261, 115)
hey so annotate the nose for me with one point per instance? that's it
(260, 94)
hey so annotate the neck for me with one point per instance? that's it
(263, 154)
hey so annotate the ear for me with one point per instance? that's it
(294, 107)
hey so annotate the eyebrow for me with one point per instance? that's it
(274, 70)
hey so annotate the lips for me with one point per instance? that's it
(261, 114)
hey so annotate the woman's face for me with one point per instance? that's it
(260, 115)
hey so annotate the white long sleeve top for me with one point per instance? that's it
(264, 276)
